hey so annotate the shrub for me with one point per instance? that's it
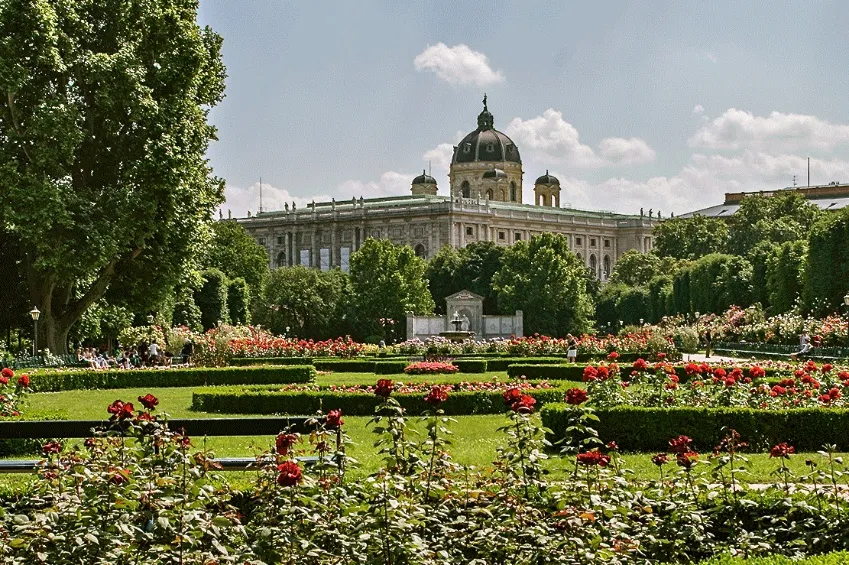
(154, 378)
(390, 367)
(346, 365)
(649, 429)
(242, 400)
(571, 372)
(471, 365)
(504, 362)
(212, 298)
(430, 368)
(254, 361)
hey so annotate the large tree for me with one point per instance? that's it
(690, 238)
(786, 216)
(826, 270)
(387, 281)
(237, 254)
(103, 141)
(545, 279)
(470, 268)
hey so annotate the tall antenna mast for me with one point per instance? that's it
(809, 171)
(794, 181)
(260, 195)
(428, 169)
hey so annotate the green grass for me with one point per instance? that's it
(348, 379)
(475, 438)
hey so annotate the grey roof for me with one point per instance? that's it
(424, 179)
(486, 143)
(726, 210)
(494, 174)
(548, 179)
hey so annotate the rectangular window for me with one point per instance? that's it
(592, 242)
(375, 234)
(261, 240)
(324, 258)
(345, 259)
(607, 243)
(502, 236)
(305, 257)
(517, 236)
(470, 231)
(279, 240)
(579, 241)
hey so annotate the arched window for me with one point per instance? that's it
(489, 194)
(512, 191)
(421, 251)
(465, 189)
(281, 260)
(594, 265)
(501, 193)
(606, 266)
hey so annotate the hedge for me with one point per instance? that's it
(637, 428)
(390, 367)
(575, 372)
(471, 365)
(250, 361)
(836, 558)
(504, 362)
(241, 400)
(345, 365)
(21, 446)
(156, 378)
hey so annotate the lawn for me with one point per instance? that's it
(475, 438)
(347, 379)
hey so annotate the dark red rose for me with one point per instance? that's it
(126, 411)
(612, 446)
(687, 459)
(590, 374)
(525, 405)
(826, 368)
(680, 444)
(782, 450)
(7, 373)
(145, 417)
(115, 408)
(334, 419)
(149, 401)
(593, 458)
(511, 395)
(576, 396)
(284, 442)
(90, 443)
(289, 474)
(51, 447)
(612, 356)
(640, 364)
(436, 396)
(119, 477)
(23, 381)
(660, 459)
(384, 388)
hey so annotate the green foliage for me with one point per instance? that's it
(503, 363)
(760, 257)
(257, 400)
(634, 304)
(390, 367)
(234, 252)
(304, 302)
(10, 447)
(690, 238)
(387, 281)
(782, 217)
(559, 372)
(471, 365)
(713, 283)
(634, 268)
(544, 279)
(784, 276)
(345, 365)
(258, 361)
(186, 312)
(836, 558)
(443, 276)
(826, 272)
(606, 305)
(470, 268)
(660, 296)
(212, 299)
(103, 150)
(238, 299)
(155, 378)
(637, 428)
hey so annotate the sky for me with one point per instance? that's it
(664, 104)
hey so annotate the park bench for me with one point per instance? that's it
(768, 350)
(54, 361)
(194, 428)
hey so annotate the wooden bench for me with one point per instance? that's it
(194, 428)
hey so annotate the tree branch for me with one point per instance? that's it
(10, 97)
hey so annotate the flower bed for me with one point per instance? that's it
(431, 368)
(155, 378)
(466, 398)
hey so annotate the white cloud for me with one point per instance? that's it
(440, 160)
(557, 140)
(457, 65)
(389, 184)
(778, 132)
(711, 56)
(621, 151)
(698, 109)
(239, 200)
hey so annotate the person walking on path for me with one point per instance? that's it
(707, 342)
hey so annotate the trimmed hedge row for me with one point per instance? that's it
(156, 378)
(637, 428)
(241, 400)
(390, 367)
(575, 372)
(252, 361)
(836, 558)
(503, 363)
(472, 365)
(20, 446)
(345, 365)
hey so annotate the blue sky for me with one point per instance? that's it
(663, 105)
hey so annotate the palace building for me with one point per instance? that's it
(483, 202)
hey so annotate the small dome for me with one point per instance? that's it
(547, 179)
(424, 179)
(495, 174)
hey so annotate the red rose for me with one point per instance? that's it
(687, 459)
(525, 405)
(51, 447)
(756, 372)
(692, 369)
(640, 364)
(660, 459)
(126, 411)
(3, 380)
(149, 401)
(590, 458)
(384, 388)
(782, 450)
(612, 356)
(576, 396)
(145, 417)
(612, 446)
(436, 396)
(7, 373)
(23, 381)
(826, 368)
(719, 372)
(511, 395)
(680, 444)
(590, 374)
(284, 442)
(289, 474)
(334, 419)
(603, 373)
(115, 408)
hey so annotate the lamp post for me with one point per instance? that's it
(846, 304)
(35, 314)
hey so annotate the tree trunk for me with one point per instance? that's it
(53, 335)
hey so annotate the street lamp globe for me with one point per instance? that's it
(35, 313)
(846, 299)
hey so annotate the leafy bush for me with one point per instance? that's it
(571, 372)
(10, 447)
(390, 367)
(637, 428)
(503, 363)
(212, 299)
(836, 558)
(472, 365)
(346, 365)
(242, 400)
(255, 361)
(155, 378)
(430, 368)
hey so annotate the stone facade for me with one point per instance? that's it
(484, 204)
